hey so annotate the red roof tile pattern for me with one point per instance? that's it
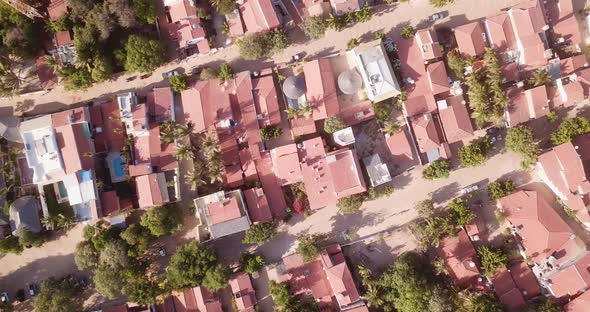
(400, 147)
(471, 39)
(571, 280)
(419, 105)
(111, 204)
(580, 304)
(302, 126)
(437, 77)
(192, 299)
(224, 211)
(159, 102)
(148, 191)
(528, 21)
(561, 15)
(241, 287)
(428, 44)
(204, 104)
(63, 38)
(151, 153)
(57, 8)
(285, 162)
(541, 229)
(506, 290)
(258, 208)
(117, 308)
(346, 173)
(339, 275)
(266, 101)
(259, 15)
(525, 280)
(426, 133)
(272, 188)
(107, 118)
(460, 259)
(72, 134)
(517, 110)
(572, 64)
(357, 113)
(455, 119)
(537, 101)
(499, 32)
(321, 91)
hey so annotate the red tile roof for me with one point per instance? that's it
(580, 304)
(107, 118)
(437, 77)
(192, 299)
(471, 39)
(258, 208)
(302, 126)
(537, 101)
(571, 280)
(152, 155)
(400, 147)
(564, 168)
(117, 308)
(307, 277)
(111, 204)
(321, 91)
(339, 275)
(428, 44)
(224, 211)
(507, 291)
(499, 32)
(148, 190)
(525, 280)
(343, 6)
(271, 187)
(419, 105)
(455, 119)
(259, 15)
(205, 103)
(266, 101)
(542, 230)
(57, 8)
(63, 38)
(285, 162)
(73, 140)
(528, 21)
(426, 133)
(572, 64)
(524, 105)
(159, 102)
(561, 15)
(460, 258)
(346, 172)
(568, 95)
(241, 287)
(182, 9)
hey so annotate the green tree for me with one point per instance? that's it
(521, 141)
(189, 265)
(314, 26)
(253, 46)
(86, 256)
(224, 7)
(208, 73)
(461, 214)
(491, 259)
(145, 10)
(442, 300)
(102, 68)
(143, 54)
(432, 230)
(108, 281)
(408, 32)
(217, 277)
(456, 63)
(260, 233)
(278, 40)
(350, 204)
(138, 238)
(544, 304)
(438, 169)
(353, 43)
(270, 132)
(569, 129)
(114, 256)
(19, 35)
(163, 220)
(475, 154)
(499, 189)
(285, 302)
(310, 246)
(226, 73)
(425, 208)
(56, 296)
(28, 238)
(75, 78)
(333, 124)
(251, 263)
(178, 83)
(494, 79)
(391, 127)
(479, 302)
(539, 77)
(139, 289)
(10, 245)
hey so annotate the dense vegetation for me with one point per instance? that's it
(521, 141)
(487, 99)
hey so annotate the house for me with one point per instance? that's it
(565, 30)
(499, 33)
(285, 164)
(570, 280)
(271, 186)
(192, 299)
(321, 90)
(400, 147)
(243, 291)
(507, 290)
(186, 27)
(41, 149)
(562, 170)
(430, 142)
(266, 99)
(329, 176)
(460, 259)
(375, 68)
(152, 190)
(258, 207)
(525, 280)
(224, 213)
(455, 118)
(113, 205)
(524, 105)
(529, 27)
(428, 45)
(579, 304)
(73, 137)
(256, 16)
(327, 279)
(471, 39)
(108, 129)
(117, 308)
(340, 7)
(569, 81)
(24, 212)
(544, 236)
(376, 170)
(62, 44)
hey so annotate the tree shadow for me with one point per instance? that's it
(445, 193)
(382, 9)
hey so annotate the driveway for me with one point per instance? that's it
(387, 18)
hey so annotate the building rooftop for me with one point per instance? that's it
(266, 101)
(321, 90)
(471, 39)
(41, 149)
(426, 133)
(455, 119)
(460, 259)
(192, 299)
(579, 304)
(285, 161)
(259, 15)
(570, 280)
(499, 32)
(73, 137)
(339, 276)
(243, 291)
(109, 131)
(258, 208)
(377, 170)
(152, 190)
(525, 280)
(376, 71)
(224, 213)
(507, 291)
(428, 44)
(24, 212)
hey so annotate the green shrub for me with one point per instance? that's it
(408, 32)
(270, 132)
(499, 189)
(569, 129)
(178, 83)
(333, 124)
(350, 204)
(475, 154)
(437, 169)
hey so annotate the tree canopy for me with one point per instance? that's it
(260, 233)
(56, 296)
(333, 124)
(310, 246)
(569, 129)
(251, 263)
(143, 54)
(499, 189)
(163, 220)
(475, 154)
(350, 204)
(438, 169)
(314, 26)
(178, 83)
(189, 265)
(521, 141)
(491, 259)
(261, 45)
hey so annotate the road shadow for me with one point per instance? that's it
(382, 9)
(278, 247)
(445, 193)
(402, 180)
(345, 226)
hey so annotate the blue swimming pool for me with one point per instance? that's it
(118, 167)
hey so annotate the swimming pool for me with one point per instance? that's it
(118, 168)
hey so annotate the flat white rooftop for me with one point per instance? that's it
(41, 149)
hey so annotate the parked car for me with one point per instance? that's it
(162, 252)
(170, 74)
(469, 189)
(196, 70)
(32, 290)
(436, 16)
(4, 297)
(493, 131)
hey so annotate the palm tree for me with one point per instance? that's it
(185, 151)
(390, 127)
(215, 174)
(185, 131)
(374, 296)
(439, 266)
(292, 112)
(52, 63)
(306, 110)
(210, 146)
(539, 77)
(194, 179)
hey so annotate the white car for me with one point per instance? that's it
(469, 189)
(4, 297)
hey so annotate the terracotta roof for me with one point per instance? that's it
(419, 105)
(400, 146)
(527, 22)
(111, 204)
(580, 304)
(57, 8)
(152, 155)
(428, 43)
(563, 167)
(572, 64)
(259, 15)
(302, 126)
(437, 77)
(537, 101)
(339, 275)
(107, 118)
(426, 133)
(343, 6)
(460, 259)
(204, 104)
(517, 110)
(506, 290)
(321, 91)
(74, 140)
(258, 208)
(148, 190)
(499, 32)
(542, 230)
(571, 280)
(303, 278)
(234, 176)
(568, 95)
(117, 308)
(285, 161)
(181, 9)
(357, 113)
(63, 38)
(191, 299)
(471, 39)
(266, 101)
(346, 172)
(525, 280)
(70, 116)
(224, 211)
(236, 26)
(560, 14)
(241, 287)
(455, 119)
(272, 188)
(159, 102)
